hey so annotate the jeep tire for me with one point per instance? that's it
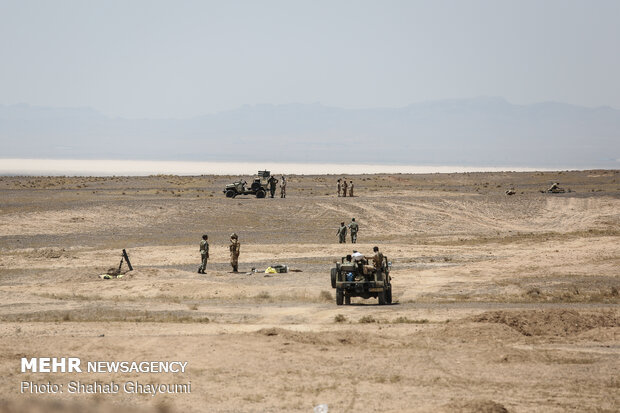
(339, 296)
(334, 275)
(381, 297)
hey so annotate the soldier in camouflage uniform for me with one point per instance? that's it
(272, 185)
(204, 254)
(351, 188)
(344, 187)
(339, 187)
(235, 248)
(283, 187)
(342, 233)
(354, 227)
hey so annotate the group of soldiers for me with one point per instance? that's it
(234, 248)
(342, 232)
(344, 188)
(377, 258)
(273, 183)
(235, 245)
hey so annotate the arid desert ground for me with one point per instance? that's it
(501, 303)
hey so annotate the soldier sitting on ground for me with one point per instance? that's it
(555, 188)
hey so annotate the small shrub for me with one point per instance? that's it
(339, 318)
(367, 319)
(395, 378)
(405, 320)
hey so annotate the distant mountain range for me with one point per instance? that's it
(481, 132)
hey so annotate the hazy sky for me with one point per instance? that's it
(162, 59)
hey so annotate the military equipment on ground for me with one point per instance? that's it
(555, 189)
(259, 186)
(358, 279)
(126, 258)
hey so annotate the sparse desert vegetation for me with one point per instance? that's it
(500, 302)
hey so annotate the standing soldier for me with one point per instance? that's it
(350, 188)
(204, 254)
(339, 188)
(283, 187)
(342, 233)
(377, 259)
(234, 247)
(344, 187)
(354, 227)
(272, 185)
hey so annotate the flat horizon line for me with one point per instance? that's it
(115, 167)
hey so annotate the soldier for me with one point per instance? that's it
(339, 188)
(377, 259)
(283, 187)
(344, 187)
(204, 254)
(234, 247)
(350, 188)
(342, 233)
(358, 259)
(272, 185)
(354, 227)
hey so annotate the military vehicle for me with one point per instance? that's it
(358, 279)
(259, 186)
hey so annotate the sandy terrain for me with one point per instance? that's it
(502, 303)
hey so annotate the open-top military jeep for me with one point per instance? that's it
(259, 186)
(359, 279)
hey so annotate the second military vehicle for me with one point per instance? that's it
(358, 279)
(259, 186)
